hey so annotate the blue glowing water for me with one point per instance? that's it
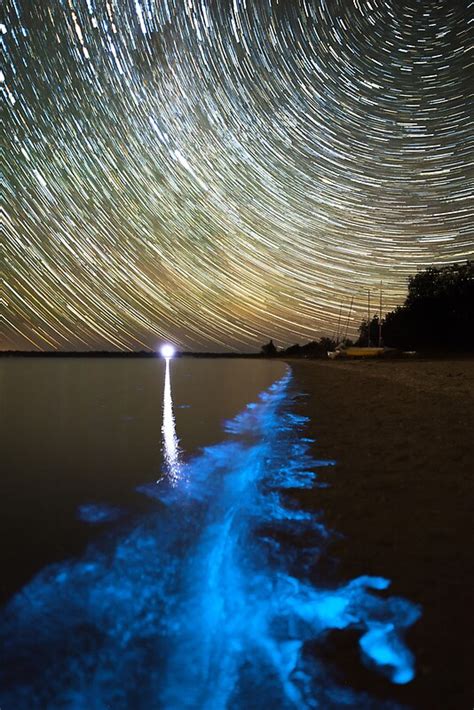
(198, 605)
(98, 513)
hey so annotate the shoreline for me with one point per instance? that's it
(400, 502)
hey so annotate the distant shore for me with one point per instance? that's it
(401, 496)
(117, 354)
(435, 355)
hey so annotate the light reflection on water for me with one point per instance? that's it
(199, 605)
(168, 429)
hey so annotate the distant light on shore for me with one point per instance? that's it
(167, 351)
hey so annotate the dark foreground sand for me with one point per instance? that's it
(401, 494)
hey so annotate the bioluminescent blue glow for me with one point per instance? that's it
(98, 513)
(205, 604)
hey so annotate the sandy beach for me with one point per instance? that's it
(401, 497)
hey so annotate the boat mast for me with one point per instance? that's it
(338, 324)
(368, 318)
(348, 317)
(380, 317)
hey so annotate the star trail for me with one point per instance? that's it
(216, 172)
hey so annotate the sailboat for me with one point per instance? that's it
(356, 351)
(361, 351)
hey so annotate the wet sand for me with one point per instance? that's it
(401, 496)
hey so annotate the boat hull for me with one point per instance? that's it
(355, 352)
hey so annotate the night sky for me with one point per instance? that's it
(216, 173)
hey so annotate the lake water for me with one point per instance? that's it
(155, 556)
(75, 431)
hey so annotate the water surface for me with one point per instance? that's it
(196, 593)
(82, 430)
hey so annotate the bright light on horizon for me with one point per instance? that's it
(167, 350)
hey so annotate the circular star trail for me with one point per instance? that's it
(215, 172)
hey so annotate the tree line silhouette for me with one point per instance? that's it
(437, 315)
(438, 312)
(313, 349)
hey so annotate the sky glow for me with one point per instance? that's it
(216, 173)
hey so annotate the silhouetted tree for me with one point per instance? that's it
(269, 350)
(438, 312)
(293, 350)
(364, 339)
(313, 349)
(326, 344)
